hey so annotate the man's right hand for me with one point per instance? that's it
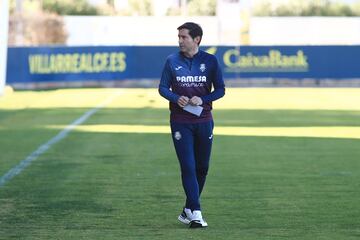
(183, 101)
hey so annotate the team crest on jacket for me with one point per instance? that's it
(202, 67)
(177, 135)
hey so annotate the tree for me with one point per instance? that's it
(196, 8)
(306, 8)
(202, 7)
(138, 8)
(69, 7)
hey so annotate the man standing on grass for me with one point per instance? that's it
(186, 81)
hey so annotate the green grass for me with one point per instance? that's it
(95, 185)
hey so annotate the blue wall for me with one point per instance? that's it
(47, 64)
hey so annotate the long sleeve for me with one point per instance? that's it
(219, 86)
(165, 84)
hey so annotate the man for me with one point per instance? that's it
(186, 81)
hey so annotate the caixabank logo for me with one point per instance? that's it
(268, 60)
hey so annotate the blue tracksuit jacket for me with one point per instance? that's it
(191, 77)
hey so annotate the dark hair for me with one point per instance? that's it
(194, 29)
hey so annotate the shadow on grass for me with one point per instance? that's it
(35, 118)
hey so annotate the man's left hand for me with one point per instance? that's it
(196, 101)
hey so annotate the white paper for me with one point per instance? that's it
(196, 110)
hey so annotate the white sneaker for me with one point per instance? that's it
(185, 216)
(197, 220)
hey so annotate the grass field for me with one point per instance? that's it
(285, 165)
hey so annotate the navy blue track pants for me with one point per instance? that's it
(193, 147)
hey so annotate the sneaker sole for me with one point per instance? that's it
(196, 224)
(183, 220)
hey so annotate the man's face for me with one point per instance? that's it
(186, 42)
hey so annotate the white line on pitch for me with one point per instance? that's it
(43, 148)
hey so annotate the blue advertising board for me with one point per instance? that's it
(51, 64)
(293, 62)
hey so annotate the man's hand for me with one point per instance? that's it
(183, 101)
(196, 101)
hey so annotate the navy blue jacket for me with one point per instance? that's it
(190, 77)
